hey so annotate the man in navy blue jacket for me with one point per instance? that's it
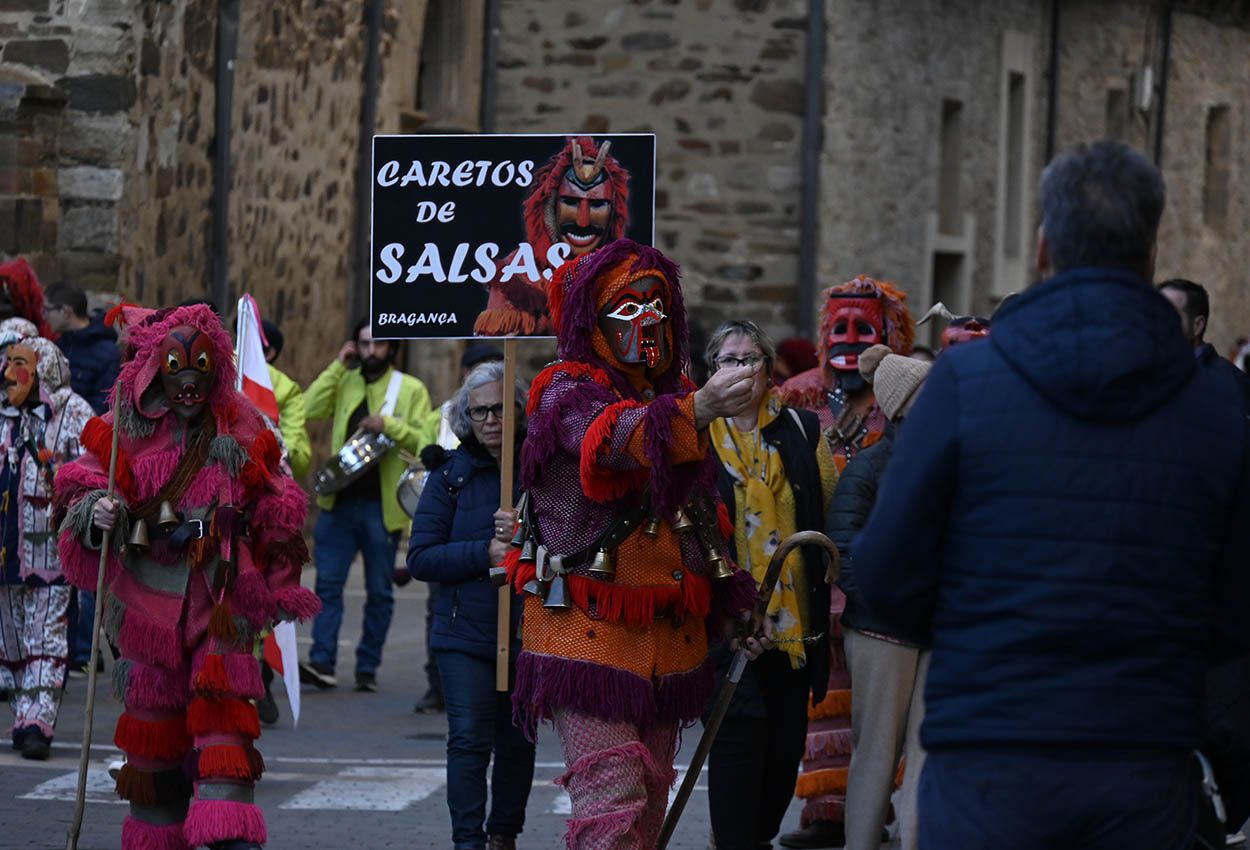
(1066, 521)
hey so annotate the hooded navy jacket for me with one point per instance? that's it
(1066, 521)
(451, 534)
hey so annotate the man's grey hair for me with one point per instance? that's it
(490, 372)
(747, 328)
(1101, 206)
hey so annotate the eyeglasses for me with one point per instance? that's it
(479, 414)
(727, 361)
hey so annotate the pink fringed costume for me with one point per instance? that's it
(185, 611)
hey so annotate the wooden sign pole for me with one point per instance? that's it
(503, 629)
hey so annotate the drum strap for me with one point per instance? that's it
(392, 394)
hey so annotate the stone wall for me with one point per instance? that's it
(720, 83)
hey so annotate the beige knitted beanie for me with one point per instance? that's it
(895, 379)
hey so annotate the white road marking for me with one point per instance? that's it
(377, 789)
(99, 787)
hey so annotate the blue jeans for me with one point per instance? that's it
(1040, 798)
(81, 619)
(351, 526)
(479, 721)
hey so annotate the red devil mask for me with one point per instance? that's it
(186, 363)
(857, 324)
(634, 323)
(964, 329)
(584, 202)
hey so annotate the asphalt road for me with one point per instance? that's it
(360, 771)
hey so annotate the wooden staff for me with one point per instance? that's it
(106, 540)
(736, 667)
(503, 626)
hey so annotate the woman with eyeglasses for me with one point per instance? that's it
(458, 533)
(777, 476)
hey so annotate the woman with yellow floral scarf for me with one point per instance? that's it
(777, 477)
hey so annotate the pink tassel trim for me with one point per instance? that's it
(624, 752)
(282, 515)
(830, 744)
(243, 671)
(250, 597)
(156, 688)
(146, 641)
(298, 602)
(209, 821)
(138, 835)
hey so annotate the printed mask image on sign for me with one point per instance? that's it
(467, 230)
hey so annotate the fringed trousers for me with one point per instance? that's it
(618, 778)
(34, 653)
(189, 726)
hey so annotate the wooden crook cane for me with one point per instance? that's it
(736, 667)
(106, 541)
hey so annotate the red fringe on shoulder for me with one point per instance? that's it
(97, 437)
(723, 522)
(571, 369)
(604, 485)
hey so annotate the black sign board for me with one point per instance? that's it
(468, 229)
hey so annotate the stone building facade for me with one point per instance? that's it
(936, 118)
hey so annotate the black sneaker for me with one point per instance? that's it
(36, 747)
(818, 834)
(367, 682)
(18, 735)
(431, 703)
(321, 675)
(267, 708)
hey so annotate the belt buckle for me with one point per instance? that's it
(199, 529)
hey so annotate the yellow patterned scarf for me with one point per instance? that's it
(765, 517)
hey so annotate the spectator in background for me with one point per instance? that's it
(1066, 520)
(1194, 306)
(887, 700)
(475, 354)
(362, 390)
(290, 404)
(458, 533)
(776, 477)
(90, 347)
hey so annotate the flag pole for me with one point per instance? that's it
(503, 626)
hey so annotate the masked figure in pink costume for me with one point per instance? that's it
(198, 475)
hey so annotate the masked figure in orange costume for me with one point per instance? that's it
(622, 542)
(580, 202)
(854, 316)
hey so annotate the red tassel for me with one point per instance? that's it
(604, 485)
(696, 595)
(153, 739)
(97, 438)
(221, 623)
(230, 761)
(137, 786)
(222, 717)
(615, 603)
(212, 681)
(724, 522)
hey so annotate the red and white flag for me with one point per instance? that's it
(280, 651)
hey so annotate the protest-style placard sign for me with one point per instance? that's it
(468, 229)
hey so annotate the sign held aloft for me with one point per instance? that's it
(467, 230)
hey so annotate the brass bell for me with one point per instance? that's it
(682, 522)
(139, 534)
(519, 537)
(603, 567)
(499, 576)
(557, 593)
(168, 519)
(720, 567)
(527, 550)
(652, 528)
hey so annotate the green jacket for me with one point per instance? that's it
(338, 391)
(291, 420)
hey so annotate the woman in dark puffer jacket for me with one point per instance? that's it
(458, 534)
(887, 673)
